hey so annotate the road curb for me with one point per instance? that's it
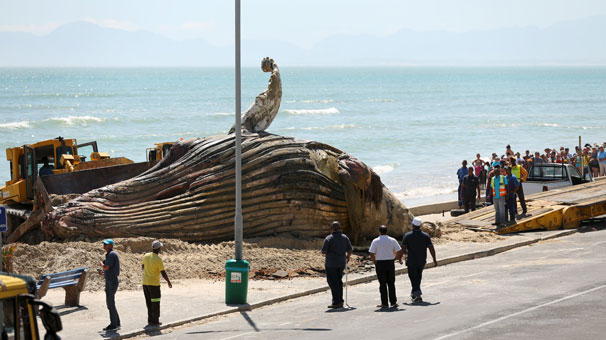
(360, 280)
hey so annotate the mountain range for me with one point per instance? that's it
(83, 44)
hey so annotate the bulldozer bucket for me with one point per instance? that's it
(80, 182)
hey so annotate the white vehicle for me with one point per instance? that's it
(550, 176)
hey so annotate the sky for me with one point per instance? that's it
(300, 22)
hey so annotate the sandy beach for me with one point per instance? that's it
(271, 258)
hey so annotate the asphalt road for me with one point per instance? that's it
(551, 290)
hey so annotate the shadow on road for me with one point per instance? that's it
(421, 304)
(69, 309)
(249, 320)
(265, 329)
(389, 310)
(340, 310)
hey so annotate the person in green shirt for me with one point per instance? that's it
(152, 268)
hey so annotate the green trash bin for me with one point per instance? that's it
(236, 281)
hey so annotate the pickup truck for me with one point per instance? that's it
(550, 176)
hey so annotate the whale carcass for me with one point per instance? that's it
(288, 186)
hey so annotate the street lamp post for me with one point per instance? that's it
(236, 270)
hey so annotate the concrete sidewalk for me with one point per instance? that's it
(194, 300)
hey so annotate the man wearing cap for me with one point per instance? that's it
(111, 270)
(521, 175)
(414, 248)
(512, 188)
(384, 250)
(152, 268)
(498, 184)
(337, 249)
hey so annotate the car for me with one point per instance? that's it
(551, 176)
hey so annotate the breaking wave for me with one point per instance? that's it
(329, 111)
(383, 169)
(220, 114)
(333, 127)
(75, 120)
(15, 125)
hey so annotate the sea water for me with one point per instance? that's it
(412, 125)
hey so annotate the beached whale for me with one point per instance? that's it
(288, 186)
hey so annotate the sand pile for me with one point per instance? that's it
(273, 258)
(182, 260)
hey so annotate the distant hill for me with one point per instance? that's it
(578, 42)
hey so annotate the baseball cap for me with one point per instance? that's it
(416, 222)
(108, 241)
(156, 244)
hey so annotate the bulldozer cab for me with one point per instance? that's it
(20, 310)
(158, 151)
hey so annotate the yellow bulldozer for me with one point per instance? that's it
(56, 166)
(158, 151)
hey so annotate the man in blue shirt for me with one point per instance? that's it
(461, 173)
(46, 169)
(512, 187)
(337, 249)
(111, 270)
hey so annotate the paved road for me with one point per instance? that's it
(551, 290)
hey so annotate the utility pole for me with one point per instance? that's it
(236, 270)
(238, 216)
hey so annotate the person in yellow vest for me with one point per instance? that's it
(498, 184)
(521, 175)
(152, 268)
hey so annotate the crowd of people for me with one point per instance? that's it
(502, 177)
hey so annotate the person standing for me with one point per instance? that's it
(414, 248)
(152, 268)
(602, 161)
(512, 187)
(337, 249)
(469, 187)
(498, 184)
(383, 252)
(521, 175)
(462, 172)
(110, 270)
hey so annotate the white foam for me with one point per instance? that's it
(76, 120)
(324, 101)
(332, 127)
(383, 169)
(549, 124)
(380, 100)
(329, 111)
(15, 125)
(425, 191)
(220, 114)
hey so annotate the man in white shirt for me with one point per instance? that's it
(384, 250)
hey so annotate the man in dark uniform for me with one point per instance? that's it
(111, 270)
(461, 172)
(337, 249)
(469, 187)
(414, 246)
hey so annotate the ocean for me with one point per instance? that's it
(412, 125)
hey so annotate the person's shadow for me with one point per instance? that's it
(421, 304)
(340, 310)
